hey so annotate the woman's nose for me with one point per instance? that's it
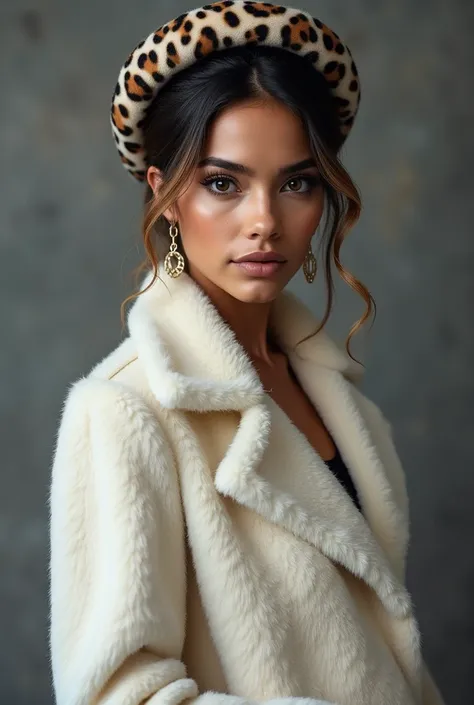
(262, 217)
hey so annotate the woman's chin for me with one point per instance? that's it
(259, 291)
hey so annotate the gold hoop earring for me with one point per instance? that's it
(174, 270)
(310, 266)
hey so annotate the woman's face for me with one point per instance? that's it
(259, 200)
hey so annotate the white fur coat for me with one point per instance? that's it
(201, 551)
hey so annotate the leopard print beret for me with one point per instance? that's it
(220, 25)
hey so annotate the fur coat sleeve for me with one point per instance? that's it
(117, 626)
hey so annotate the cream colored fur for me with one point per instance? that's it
(201, 551)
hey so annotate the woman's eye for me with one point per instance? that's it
(219, 181)
(312, 181)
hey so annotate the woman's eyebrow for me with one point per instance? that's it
(240, 168)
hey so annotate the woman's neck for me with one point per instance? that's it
(249, 321)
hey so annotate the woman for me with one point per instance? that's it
(228, 512)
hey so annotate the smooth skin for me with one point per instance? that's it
(260, 208)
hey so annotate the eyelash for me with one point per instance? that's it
(313, 182)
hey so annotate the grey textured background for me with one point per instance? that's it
(69, 234)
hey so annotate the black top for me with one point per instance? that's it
(338, 467)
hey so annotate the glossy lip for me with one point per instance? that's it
(259, 269)
(260, 256)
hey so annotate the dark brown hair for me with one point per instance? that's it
(178, 122)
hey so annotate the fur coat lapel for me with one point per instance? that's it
(194, 362)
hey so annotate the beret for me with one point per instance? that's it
(195, 34)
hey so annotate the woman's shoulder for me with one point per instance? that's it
(115, 387)
(121, 364)
(119, 370)
(383, 437)
(370, 409)
(109, 418)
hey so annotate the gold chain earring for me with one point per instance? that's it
(174, 270)
(310, 266)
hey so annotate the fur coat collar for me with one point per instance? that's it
(193, 362)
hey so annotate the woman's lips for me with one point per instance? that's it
(259, 269)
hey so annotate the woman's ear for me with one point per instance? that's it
(154, 178)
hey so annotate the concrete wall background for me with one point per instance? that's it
(69, 237)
